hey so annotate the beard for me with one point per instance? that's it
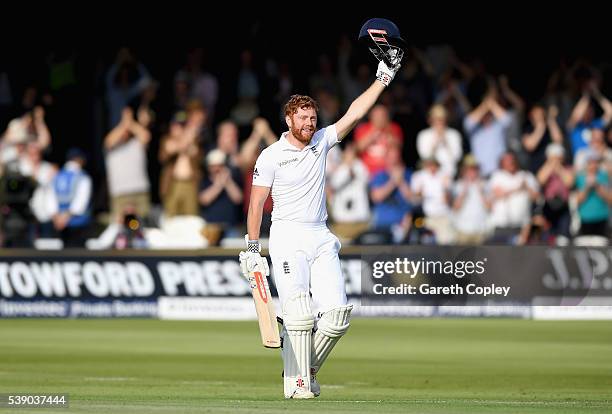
(302, 135)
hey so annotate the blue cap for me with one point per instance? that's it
(391, 29)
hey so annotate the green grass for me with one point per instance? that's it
(382, 365)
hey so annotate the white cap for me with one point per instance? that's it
(555, 150)
(215, 157)
(17, 133)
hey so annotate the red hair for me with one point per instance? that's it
(300, 102)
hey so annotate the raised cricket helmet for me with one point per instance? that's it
(383, 39)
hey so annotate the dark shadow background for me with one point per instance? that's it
(527, 47)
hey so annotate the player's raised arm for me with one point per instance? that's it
(382, 37)
(360, 106)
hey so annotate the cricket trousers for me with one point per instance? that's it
(305, 259)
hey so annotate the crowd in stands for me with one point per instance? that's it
(451, 154)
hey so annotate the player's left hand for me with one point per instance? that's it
(385, 74)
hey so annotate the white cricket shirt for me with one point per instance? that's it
(297, 177)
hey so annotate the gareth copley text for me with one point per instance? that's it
(425, 289)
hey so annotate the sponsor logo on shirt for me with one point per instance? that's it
(314, 151)
(282, 163)
(255, 173)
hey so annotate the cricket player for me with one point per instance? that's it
(304, 252)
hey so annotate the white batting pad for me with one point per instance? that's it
(297, 342)
(330, 328)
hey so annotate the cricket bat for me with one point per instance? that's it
(266, 314)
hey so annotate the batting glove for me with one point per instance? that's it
(385, 74)
(251, 260)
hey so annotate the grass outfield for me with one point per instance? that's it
(382, 365)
